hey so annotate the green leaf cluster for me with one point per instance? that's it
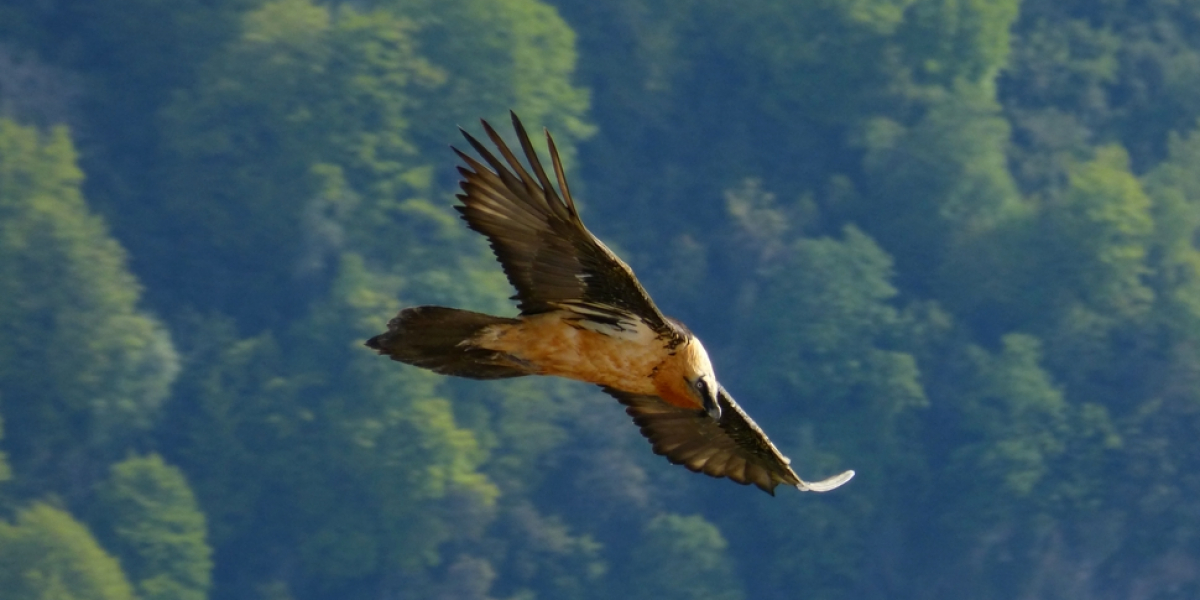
(46, 554)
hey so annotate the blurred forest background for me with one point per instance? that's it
(951, 244)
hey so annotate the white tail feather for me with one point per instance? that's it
(825, 484)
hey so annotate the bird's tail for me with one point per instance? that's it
(439, 339)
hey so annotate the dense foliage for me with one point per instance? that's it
(954, 245)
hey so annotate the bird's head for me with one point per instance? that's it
(701, 379)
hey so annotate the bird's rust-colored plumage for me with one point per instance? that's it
(583, 316)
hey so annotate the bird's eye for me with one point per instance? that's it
(702, 385)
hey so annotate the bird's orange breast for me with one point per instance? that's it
(555, 344)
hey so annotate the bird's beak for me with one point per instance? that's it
(711, 406)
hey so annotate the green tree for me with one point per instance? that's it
(496, 56)
(1084, 74)
(145, 513)
(822, 322)
(47, 554)
(682, 558)
(305, 94)
(1175, 274)
(351, 466)
(82, 370)
(1031, 465)
(1158, 425)
(113, 66)
(1102, 226)
(1019, 417)
(829, 371)
(545, 555)
(932, 187)
(1094, 241)
(1077, 260)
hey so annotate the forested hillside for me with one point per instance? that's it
(953, 245)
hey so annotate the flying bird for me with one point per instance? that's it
(583, 316)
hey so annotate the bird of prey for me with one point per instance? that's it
(583, 316)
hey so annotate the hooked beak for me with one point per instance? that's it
(711, 406)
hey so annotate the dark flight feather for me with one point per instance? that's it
(551, 259)
(733, 447)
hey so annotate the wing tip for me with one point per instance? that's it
(825, 485)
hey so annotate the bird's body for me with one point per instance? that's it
(631, 358)
(584, 316)
(552, 345)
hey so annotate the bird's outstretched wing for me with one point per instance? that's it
(552, 260)
(733, 447)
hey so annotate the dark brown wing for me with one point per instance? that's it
(733, 447)
(552, 260)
